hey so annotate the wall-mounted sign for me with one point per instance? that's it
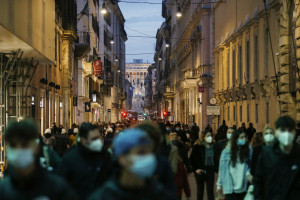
(97, 66)
(201, 89)
(213, 110)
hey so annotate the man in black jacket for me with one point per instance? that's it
(85, 163)
(277, 173)
(25, 178)
(62, 142)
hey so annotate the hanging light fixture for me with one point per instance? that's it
(112, 40)
(167, 45)
(103, 9)
(116, 60)
(159, 58)
(179, 13)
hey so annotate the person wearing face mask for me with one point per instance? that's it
(62, 142)
(181, 134)
(277, 174)
(259, 143)
(136, 161)
(234, 168)
(220, 146)
(25, 178)
(87, 162)
(204, 164)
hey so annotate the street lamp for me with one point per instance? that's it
(112, 40)
(167, 45)
(159, 58)
(94, 97)
(103, 9)
(116, 60)
(119, 71)
(179, 13)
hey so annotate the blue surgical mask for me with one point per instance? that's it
(143, 166)
(241, 142)
(167, 129)
(20, 158)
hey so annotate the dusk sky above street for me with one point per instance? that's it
(141, 20)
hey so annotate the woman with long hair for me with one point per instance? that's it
(234, 167)
(204, 164)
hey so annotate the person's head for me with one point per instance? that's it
(153, 132)
(177, 127)
(285, 130)
(173, 136)
(257, 140)
(251, 125)
(22, 139)
(63, 131)
(243, 125)
(268, 135)
(47, 131)
(90, 137)
(74, 126)
(133, 150)
(207, 137)
(230, 130)
(224, 122)
(239, 147)
(75, 131)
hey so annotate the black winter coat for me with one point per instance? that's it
(197, 158)
(62, 141)
(39, 185)
(277, 175)
(112, 190)
(82, 168)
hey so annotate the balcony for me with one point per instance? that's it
(190, 79)
(82, 47)
(169, 93)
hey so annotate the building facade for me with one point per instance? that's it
(255, 61)
(184, 61)
(136, 73)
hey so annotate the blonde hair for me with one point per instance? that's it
(266, 128)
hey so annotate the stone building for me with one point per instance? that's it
(255, 61)
(183, 59)
(136, 73)
(112, 52)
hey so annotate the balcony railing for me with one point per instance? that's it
(83, 38)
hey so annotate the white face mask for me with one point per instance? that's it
(208, 139)
(285, 138)
(20, 158)
(95, 145)
(143, 166)
(269, 138)
(229, 136)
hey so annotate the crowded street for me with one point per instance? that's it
(149, 99)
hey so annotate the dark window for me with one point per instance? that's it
(234, 113)
(267, 113)
(241, 113)
(228, 67)
(240, 65)
(107, 18)
(233, 67)
(255, 57)
(248, 60)
(256, 113)
(248, 113)
(266, 52)
(107, 40)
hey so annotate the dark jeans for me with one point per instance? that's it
(209, 178)
(239, 196)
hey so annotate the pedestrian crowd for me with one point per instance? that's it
(151, 160)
